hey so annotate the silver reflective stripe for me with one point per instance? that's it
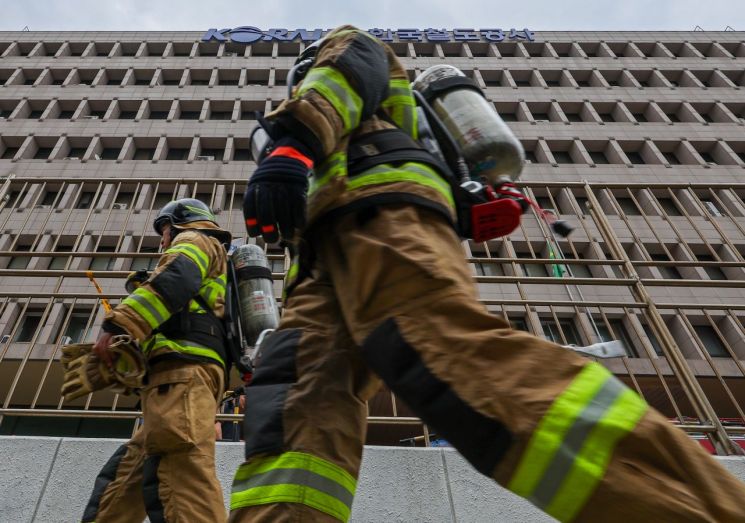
(149, 306)
(302, 477)
(408, 121)
(565, 456)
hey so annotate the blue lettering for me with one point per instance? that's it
(383, 34)
(525, 34)
(465, 35)
(246, 34)
(215, 34)
(276, 34)
(409, 34)
(492, 35)
(305, 35)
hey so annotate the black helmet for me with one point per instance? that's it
(180, 212)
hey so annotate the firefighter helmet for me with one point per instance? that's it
(181, 212)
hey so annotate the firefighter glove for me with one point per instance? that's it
(86, 373)
(275, 199)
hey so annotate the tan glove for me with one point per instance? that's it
(86, 373)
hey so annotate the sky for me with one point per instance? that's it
(193, 15)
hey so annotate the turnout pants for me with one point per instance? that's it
(167, 470)
(391, 298)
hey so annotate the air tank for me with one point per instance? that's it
(255, 291)
(488, 146)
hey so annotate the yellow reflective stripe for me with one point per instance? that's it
(569, 451)
(401, 106)
(213, 289)
(592, 461)
(284, 493)
(293, 270)
(294, 477)
(195, 254)
(332, 85)
(408, 172)
(148, 306)
(159, 341)
(335, 165)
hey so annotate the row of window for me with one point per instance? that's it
(234, 110)
(580, 78)
(553, 152)
(621, 49)
(132, 109)
(621, 202)
(79, 326)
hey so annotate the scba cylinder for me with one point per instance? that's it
(255, 291)
(488, 146)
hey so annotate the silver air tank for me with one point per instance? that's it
(486, 143)
(255, 291)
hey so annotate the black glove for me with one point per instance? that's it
(275, 199)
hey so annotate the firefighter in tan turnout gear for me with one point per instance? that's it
(167, 470)
(382, 291)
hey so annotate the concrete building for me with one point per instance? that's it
(634, 137)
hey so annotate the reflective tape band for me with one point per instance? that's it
(335, 165)
(570, 449)
(195, 254)
(148, 306)
(408, 172)
(159, 341)
(401, 106)
(332, 85)
(294, 477)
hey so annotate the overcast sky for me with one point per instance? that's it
(195, 15)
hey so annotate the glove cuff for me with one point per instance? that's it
(112, 328)
(289, 147)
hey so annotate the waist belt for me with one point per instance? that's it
(388, 146)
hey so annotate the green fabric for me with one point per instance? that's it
(294, 477)
(558, 271)
(569, 451)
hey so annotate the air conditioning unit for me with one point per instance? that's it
(541, 121)
(5, 338)
(90, 117)
(65, 340)
(96, 156)
(120, 206)
(206, 158)
(42, 207)
(71, 158)
(229, 54)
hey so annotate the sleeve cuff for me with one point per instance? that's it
(112, 328)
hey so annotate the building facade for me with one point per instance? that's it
(636, 138)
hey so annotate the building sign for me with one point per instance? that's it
(249, 35)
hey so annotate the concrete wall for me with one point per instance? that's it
(49, 480)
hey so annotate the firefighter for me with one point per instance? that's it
(381, 290)
(167, 470)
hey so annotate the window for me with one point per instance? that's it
(20, 262)
(598, 157)
(714, 273)
(536, 270)
(712, 208)
(668, 272)
(668, 205)
(635, 157)
(110, 153)
(577, 270)
(519, 324)
(711, 341)
(628, 207)
(653, 340)
(42, 153)
(489, 269)
(147, 264)
(177, 154)
(621, 334)
(28, 328)
(59, 263)
(158, 115)
(76, 331)
(562, 157)
(103, 263)
(85, 201)
(143, 154)
(49, 197)
(552, 332)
